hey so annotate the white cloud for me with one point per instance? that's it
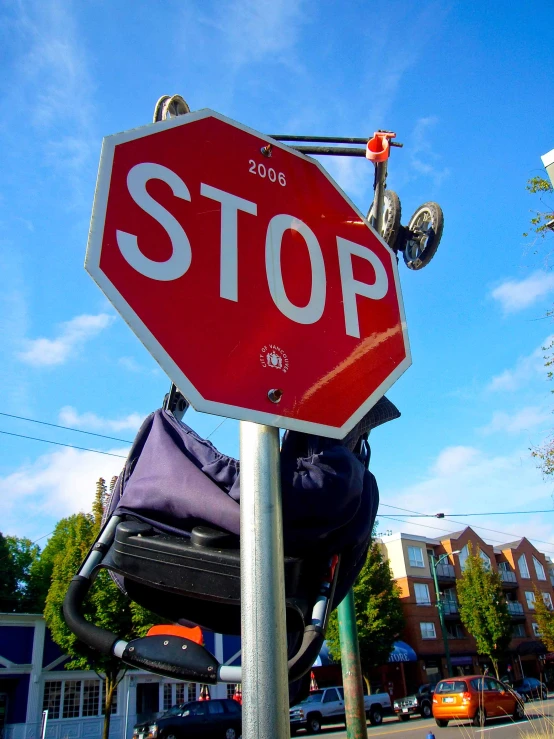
(515, 295)
(423, 158)
(514, 423)
(72, 335)
(526, 369)
(130, 364)
(57, 484)
(49, 66)
(68, 416)
(468, 480)
(351, 175)
(453, 459)
(257, 29)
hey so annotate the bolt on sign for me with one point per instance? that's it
(247, 273)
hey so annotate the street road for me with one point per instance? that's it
(540, 720)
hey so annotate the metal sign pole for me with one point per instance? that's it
(352, 679)
(265, 705)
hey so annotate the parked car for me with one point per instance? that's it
(420, 702)
(477, 698)
(218, 719)
(530, 688)
(326, 706)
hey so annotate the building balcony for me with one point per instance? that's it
(446, 572)
(450, 608)
(508, 579)
(515, 610)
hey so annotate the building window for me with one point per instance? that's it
(180, 693)
(167, 696)
(454, 631)
(428, 630)
(62, 698)
(191, 692)
(114, 699)
(415, 556)
(91, 697)
(71, 698)
(231, 687)
(421, 591)
(536, 630)
(523, 568)
(518, 630)
(464, 554)
(486, 559)
(539, 569)
(52, 698)
(530, 598)
(547, 600)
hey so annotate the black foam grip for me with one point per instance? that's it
(172, 656)
(313, 639)
(91, 635)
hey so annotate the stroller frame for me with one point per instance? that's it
(176, 656)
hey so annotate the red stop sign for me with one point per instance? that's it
(243, 273)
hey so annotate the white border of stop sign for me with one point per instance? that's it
(180, 259)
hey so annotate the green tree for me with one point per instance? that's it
(8, 578)
(106, 606)
(541, 229)
(483, 609)
(541, 218)
(545, 621)
(24, 554)
(379, 616)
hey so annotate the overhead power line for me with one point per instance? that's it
(510, 535)
(89, 433)
(58, 443)
(448, 531)
(475, 526)
(66, 428)
(450, 515)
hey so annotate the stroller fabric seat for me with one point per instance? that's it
(171, 537)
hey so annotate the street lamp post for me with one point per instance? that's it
(440, 605)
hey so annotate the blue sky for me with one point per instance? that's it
(467, 87)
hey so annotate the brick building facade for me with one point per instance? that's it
(521, 567)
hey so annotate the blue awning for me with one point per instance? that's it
(402, 652)
(324, 658)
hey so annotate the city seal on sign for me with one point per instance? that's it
(274, 357)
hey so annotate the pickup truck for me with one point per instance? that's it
(420, 702)
(326, 706)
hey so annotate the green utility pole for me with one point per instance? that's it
(440, 605)
(356, 724)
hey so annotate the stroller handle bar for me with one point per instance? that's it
(175, 656)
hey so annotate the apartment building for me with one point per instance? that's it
(521, 567)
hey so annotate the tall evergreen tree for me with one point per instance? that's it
(483, 609)
(379, 616)
(106, 606)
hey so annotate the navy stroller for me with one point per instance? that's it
(171, 541)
